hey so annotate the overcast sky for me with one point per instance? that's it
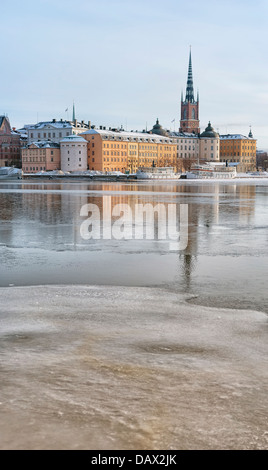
(125, 62)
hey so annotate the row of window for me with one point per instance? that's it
(186, 148)
(35, 168)
(112, 159)
(48, 135)
(237, 160)
(243, 154)
(107, 152)
(37, 152)
(36, 159)
(113, 146)
(113, 169)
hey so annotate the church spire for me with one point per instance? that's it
(189, 122)
(190, 83)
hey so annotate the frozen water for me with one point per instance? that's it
(173, 358)
(92, 367)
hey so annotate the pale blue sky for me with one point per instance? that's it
(125, 62)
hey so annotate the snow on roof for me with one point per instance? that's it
(186, 135)
(73, 138)
(235, 137)
(44, 144)
(56, 125)
(124, 135)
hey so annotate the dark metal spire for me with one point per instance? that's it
(73, 112)
(190, 84)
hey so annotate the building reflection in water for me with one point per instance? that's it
(47, 215)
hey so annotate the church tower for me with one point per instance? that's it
(189, 107)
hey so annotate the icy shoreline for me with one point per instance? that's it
(93, 367)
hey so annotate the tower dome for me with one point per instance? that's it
(158, 129)
(209, 132)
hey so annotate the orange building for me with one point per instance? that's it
(110, 150)
(40, 156)
(239, 149)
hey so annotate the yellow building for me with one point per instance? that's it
(239, 149)
(110, 150)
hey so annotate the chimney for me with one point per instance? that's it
(53, 120)
(104, 128)
(101, 128)
(89, 124)
(82, 122)
(75, 123)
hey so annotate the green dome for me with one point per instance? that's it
(209, 132)
(158, 129)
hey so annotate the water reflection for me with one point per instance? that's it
(223, 219)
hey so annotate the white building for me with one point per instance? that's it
(73, 153)
(54, 130)
(209, 145)
(187, 145)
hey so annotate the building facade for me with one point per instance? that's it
(261, 160)
(209, 145)
(41, 156)
(189, 121)
(240, 150)
(127, 151)
(73, 153)
(10, 145)
(54, 131)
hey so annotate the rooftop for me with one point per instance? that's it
(235, 137)
(73, 138)
(58, 125)
(44, 144)
(124, 135)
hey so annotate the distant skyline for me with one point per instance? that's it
(125, 63)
